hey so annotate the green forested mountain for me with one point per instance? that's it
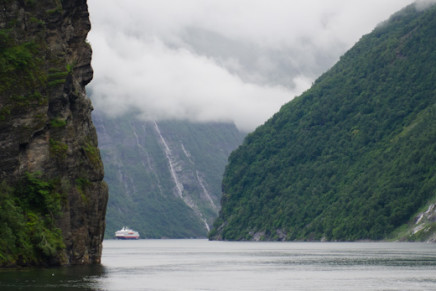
(164, 178)
(352, 158)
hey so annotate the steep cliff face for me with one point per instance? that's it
(164, 177)
(50, 166)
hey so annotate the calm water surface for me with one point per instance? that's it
(204, 265)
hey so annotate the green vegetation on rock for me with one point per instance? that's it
(21, 72)
(27, 222)
(352, 158)
(54, 214)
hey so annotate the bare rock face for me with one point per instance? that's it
(45, 117)
(425, 226)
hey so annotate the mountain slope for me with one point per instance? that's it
(353, 157)
(164, 177)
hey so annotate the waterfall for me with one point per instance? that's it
(170, 159)
(206, 192)
(187, 154)
(179, 186)
(138, 144)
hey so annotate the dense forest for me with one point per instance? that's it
(352, 158)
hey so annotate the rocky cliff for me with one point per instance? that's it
(422, 227)
(53, 198)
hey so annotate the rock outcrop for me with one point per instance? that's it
(46, 129)
(424, 227)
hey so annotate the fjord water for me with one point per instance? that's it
(213, 265)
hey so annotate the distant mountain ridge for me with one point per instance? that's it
(352, 158)
(164, 178)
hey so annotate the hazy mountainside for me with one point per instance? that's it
(352, 158)
(52, 197)
(164, 177)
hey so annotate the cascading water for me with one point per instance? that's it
(179, 186)
(206, 192)
(169, 156)
(138, 144)
(187, 154)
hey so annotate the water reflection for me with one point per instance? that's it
(62, 278)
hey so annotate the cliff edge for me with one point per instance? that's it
(52, 195)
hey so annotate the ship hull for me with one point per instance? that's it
(127, 237)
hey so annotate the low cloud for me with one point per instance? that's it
(424, 4)
(169, 83)
(235, 61)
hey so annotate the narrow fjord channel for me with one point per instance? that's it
(213, 265)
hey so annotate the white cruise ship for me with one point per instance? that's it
(126, 233)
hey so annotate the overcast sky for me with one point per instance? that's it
(219, 60)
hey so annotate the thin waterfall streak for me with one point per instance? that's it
(206, 192)
(169, 157)
(179, 186)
